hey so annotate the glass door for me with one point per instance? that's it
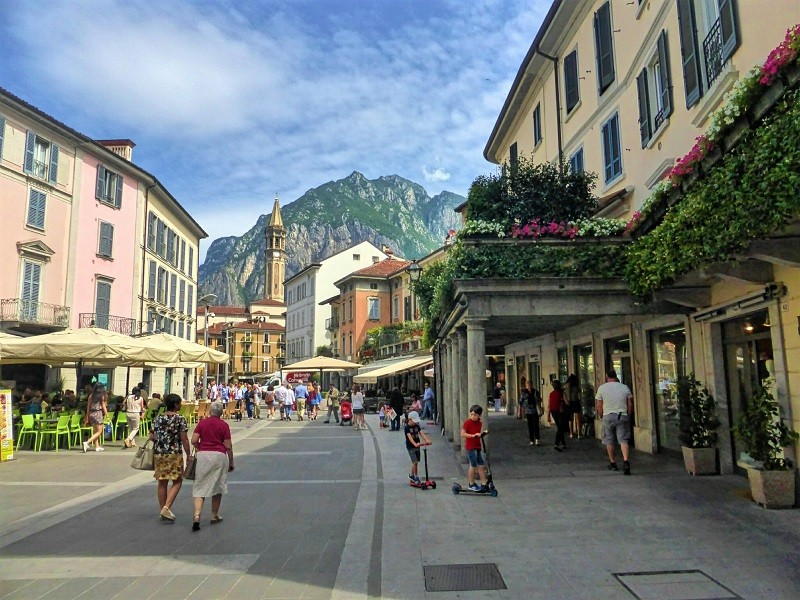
(668, 363)
(584, 366)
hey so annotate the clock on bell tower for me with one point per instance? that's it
(275, 255)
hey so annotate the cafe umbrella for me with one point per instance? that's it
(322, 363)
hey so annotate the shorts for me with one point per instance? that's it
(358, 411)
(168, 466)
(475, 458)
(414, 454)
(616, 426)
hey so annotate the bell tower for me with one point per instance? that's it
(275, 258)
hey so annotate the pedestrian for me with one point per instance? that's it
(212, 441)
(614, 405)
(170, 434)
(559, 413)
(397, 402)
(497, 396)
(249, 399)
(134, 409)
(272, 403)
(224, 394)
(357, 398)
(96, 412)
(572, 395)
(471, 432)
(280, 398)
(415, 439)
(333, 404)
(522, 387)
(301, 395)
(313, 401)
(531, 402)
(428, 400)
(288, 402)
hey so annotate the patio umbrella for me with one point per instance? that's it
(188, 351)
(319, 363)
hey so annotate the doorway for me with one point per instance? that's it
(618, 357)
(668, 364)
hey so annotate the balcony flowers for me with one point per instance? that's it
(477, 226)
(581, 228)
(784, 54)
(687, 164)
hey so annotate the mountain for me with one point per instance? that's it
(388, 210)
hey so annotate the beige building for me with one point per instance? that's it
(622, 89)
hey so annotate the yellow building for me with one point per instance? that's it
(623, 89)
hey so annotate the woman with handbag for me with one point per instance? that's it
(96, 411)
(531, 402)
(212, 440)
(134, 409)
(170, 434)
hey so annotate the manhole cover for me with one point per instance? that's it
(462, 578)
(675, 585)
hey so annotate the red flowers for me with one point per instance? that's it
(781, 56)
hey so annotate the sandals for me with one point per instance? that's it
(216, 519)
(196, 523)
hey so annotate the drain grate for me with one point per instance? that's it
(463, 578)
(675, 585)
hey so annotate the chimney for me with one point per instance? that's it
(387, 250)
(123, 148)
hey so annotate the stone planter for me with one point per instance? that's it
(700, 461)
(768, 99)
(772, 489)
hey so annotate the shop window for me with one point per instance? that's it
(668, 363)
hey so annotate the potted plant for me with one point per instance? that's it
(764, 435)
(698, 425)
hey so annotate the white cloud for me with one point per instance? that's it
(436, 174)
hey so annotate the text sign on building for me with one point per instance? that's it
(298, 376)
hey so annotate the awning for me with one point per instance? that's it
(399, 367)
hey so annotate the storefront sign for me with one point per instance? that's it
(298, 376)
(6, 430)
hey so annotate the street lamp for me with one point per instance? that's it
(414, 271)
(206, 301)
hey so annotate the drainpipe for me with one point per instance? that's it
(554, 60)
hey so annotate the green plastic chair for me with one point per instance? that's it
(145, 422)
(28, 429)
(122, 419)
(61, 429)
(75, 429)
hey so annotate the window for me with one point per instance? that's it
(407, 308)
(612, 155)
(537, 124)
(2, 135)
(29, 294)
(571, 81)
(655, 92)
(183, 255)
(356, 257)
(102, 303)
(513, 159)
(266, 340)
(180, 329)
(265, 366)
(373, 286)
(576, 162)
(41, 158)
(161, 235)
(188, 331)
(350, 302)
(172, 242)
(395, 308)
(190, 300)
(109, 187)
(161, 289)
(151, 231)
(36, 208)
(152, 319)
(376, 259)
(191, 262)
(715, 22)
(603, 39)
(374, 309)
(151, 291)
(182, 297)
(106, 239)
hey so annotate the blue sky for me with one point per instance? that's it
(233, 101)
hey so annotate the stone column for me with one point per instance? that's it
(454, 390)
(476, 365)
(463, 390)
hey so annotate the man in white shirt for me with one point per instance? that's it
(614, 405)
(288, 402)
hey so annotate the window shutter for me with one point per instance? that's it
(173, 291)
(512, 157)
(30, 141)
(2, 135)
(151, 292)
(572, 92)
(689, 52)
(36, 208)
(644, 108)
(100, 188)
(190, 266)
(151, 231)
(53, 171)
(605, 47)
(118, 196)
(106, 239)
(727, 17)
(190, 300)
(31, 277)
(102, 306)
(665, 75)
(182, 297)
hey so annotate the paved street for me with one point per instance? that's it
(320, 511)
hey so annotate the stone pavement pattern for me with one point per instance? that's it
(320, 511)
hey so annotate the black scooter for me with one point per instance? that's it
(427, 482)
(488, 488)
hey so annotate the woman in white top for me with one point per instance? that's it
(134, 408)
(357, 398)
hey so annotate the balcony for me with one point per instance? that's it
(113, 323)
(25, 315)
(712, 51)
(332, 324)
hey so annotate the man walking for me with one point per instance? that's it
(428, 398)
(301, 394)
(614, 405)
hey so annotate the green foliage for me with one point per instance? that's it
(324, 351)
(762, 431)
(434, 292)
(698, 414)
(532, 191)
(750, 193)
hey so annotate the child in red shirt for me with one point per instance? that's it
(471, 434)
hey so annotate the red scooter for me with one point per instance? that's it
(427, 482)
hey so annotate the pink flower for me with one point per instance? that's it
(781, 56)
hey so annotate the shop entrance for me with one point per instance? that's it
(618, 357)
(668, 363)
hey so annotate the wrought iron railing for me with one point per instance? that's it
(712, 51)
(332, 323)
(659, 119)
(40, 313)
(114, 323)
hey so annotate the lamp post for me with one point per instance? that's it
(414, 271)
(206, 301)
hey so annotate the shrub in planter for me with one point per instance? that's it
(764, 435)
(698, 424)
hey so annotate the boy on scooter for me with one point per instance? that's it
(471, 434)
(415, 438)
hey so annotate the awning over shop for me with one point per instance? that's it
(394, 369)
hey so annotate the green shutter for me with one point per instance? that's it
(2, 135)
(52, 172)
(30, 142)
(100, 187)
(604, 46)
(729, 25)
(665, 75)
(571, 89)
(645, 129)
(690, 52)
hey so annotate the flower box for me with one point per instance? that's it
(772, 489)
(740, 127)
(700, 461)
(792, 74)
(768, 99)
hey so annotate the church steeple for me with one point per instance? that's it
(275, 258)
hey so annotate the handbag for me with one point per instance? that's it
(144, 457)
(191, 466)
(540, 409)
